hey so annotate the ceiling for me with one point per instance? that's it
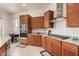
(18, 7)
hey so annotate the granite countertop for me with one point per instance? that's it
(4, 40)
(69, 40)
(76, 42)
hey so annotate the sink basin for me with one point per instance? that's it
(59, 36)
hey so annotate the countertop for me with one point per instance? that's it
(76, 42)
(4, 40)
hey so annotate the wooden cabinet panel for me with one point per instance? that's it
(68, 52)
(24, 19)
(69, 49)
(56, 47)
(3, 50)
(43, 42)
(37, 22)
(30, 40)
(48, 16)
(37, 39)
(72, 14)
(48, 44)
(34, 40)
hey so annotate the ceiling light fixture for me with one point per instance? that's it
(23, 5)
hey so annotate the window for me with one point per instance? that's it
(16, 25)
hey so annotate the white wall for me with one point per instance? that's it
(6, 23)
(38, 12)
(61, 28)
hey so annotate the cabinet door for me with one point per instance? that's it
(56, 50)
(43, 42)
(30, 40)
(48, 16)
(72, 14)
(68, 52)
(34, 23)
(56, 47)
(46, 21)
(37, 22)
(69, 49)
(24, 19)
(40, 22)
(48, 44)
(37, 39)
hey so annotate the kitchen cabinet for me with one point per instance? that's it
(48, 16)
(37, 22)
(34, 40)
(24, 19)
(56, 47)
(30, 40)
(72, 14)
(3, 50)
(48, 44)
(37, 39)
(69, 49)
(43, 42)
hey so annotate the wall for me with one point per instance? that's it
(61, 28)
(6, 23)
(37, 12)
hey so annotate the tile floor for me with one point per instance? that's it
(16, 50)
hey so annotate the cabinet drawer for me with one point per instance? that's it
(56, 42)
(71, 46)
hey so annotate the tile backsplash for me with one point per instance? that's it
(42, 31)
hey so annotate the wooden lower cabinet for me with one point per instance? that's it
(53, 45)
(69, 49)
(37, 40)
(43, 42)
(48, 44)
(3, 50)
(30, 40)
(34, 40)
(56, 47)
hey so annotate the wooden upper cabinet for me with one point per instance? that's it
(37, 22)
(72, 14)
(24, 19)
(48, 16)
(69, 49)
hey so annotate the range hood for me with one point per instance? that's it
(58, 19)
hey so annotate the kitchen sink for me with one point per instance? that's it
(59, 36)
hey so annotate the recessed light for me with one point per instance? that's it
(23, 5)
